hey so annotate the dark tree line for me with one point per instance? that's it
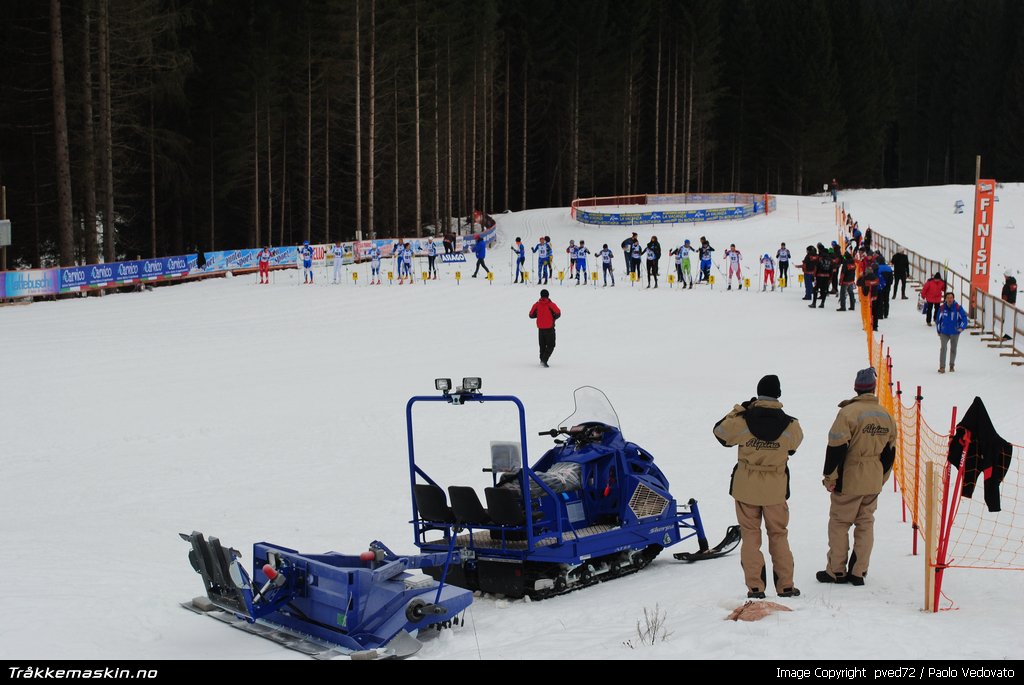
(149, 127)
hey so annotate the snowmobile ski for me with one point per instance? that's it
(728, 544)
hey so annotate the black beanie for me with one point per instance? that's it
(769, 387)
(544, 293)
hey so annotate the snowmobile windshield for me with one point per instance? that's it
(591, 405)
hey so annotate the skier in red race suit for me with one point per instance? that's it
(264, 261)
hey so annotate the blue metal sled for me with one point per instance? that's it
(326, 604)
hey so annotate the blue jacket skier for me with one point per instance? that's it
(520, 251)
(543, 251)
(480, 250)
(581, 262)
(307, 262)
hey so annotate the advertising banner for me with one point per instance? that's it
(127, 272)
(74, 279)
(31, 282)
(981, 249)
(100, 275)
(175, 266)
(451, 257)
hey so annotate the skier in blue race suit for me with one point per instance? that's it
(520, 251)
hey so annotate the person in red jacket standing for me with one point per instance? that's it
(932, 292)
(545, 312)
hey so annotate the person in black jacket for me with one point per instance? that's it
(809, 265)
(627, 247)
(1009, 293)
(900, 271)
(847, 279)
(822, 275)
(653, 252)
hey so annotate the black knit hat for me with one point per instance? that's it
(769, 387)
(544, 293)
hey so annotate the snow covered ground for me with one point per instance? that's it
(277, 413)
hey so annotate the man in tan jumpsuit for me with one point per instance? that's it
(766, 437)
(858, 461)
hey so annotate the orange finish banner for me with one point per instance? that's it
(981, 249)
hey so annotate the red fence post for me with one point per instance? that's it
(899, 452)
(949, 509)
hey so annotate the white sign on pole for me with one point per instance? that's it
(5, 233)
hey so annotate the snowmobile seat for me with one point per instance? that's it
(432, 504)
(466, 505)
(506, 507)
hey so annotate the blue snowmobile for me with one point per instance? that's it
(593, 508)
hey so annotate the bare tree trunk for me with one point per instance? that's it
(508, 95)
(526, 68)
(485, 96)
(152, 177)
(490, 201)
(65, 231)
(88, 143)
(284, 179)
(327, 160)
(675, 124)
(629, 127)
(462, 171)
(449, 174)
(270, 183)
(576, 128)
(416, 82)
(373, 119)
(359, 134)
(309, 139)
(213, 203)
(437, 151)
(397, 232)
(657, 116)
(37, 258)
(689, 127)
(254, 238)
(472, 144)
(106, 138)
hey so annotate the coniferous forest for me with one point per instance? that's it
(153, 127)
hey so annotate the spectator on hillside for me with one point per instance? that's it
(546, 313)
(932, 294)
(950, 322)
(809, 266)
(900, 271)
(1009, 293)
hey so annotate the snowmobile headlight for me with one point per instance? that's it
(443, 384)
(472, 383)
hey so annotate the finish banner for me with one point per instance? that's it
(981, 249)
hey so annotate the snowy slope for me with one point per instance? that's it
(276, 413)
